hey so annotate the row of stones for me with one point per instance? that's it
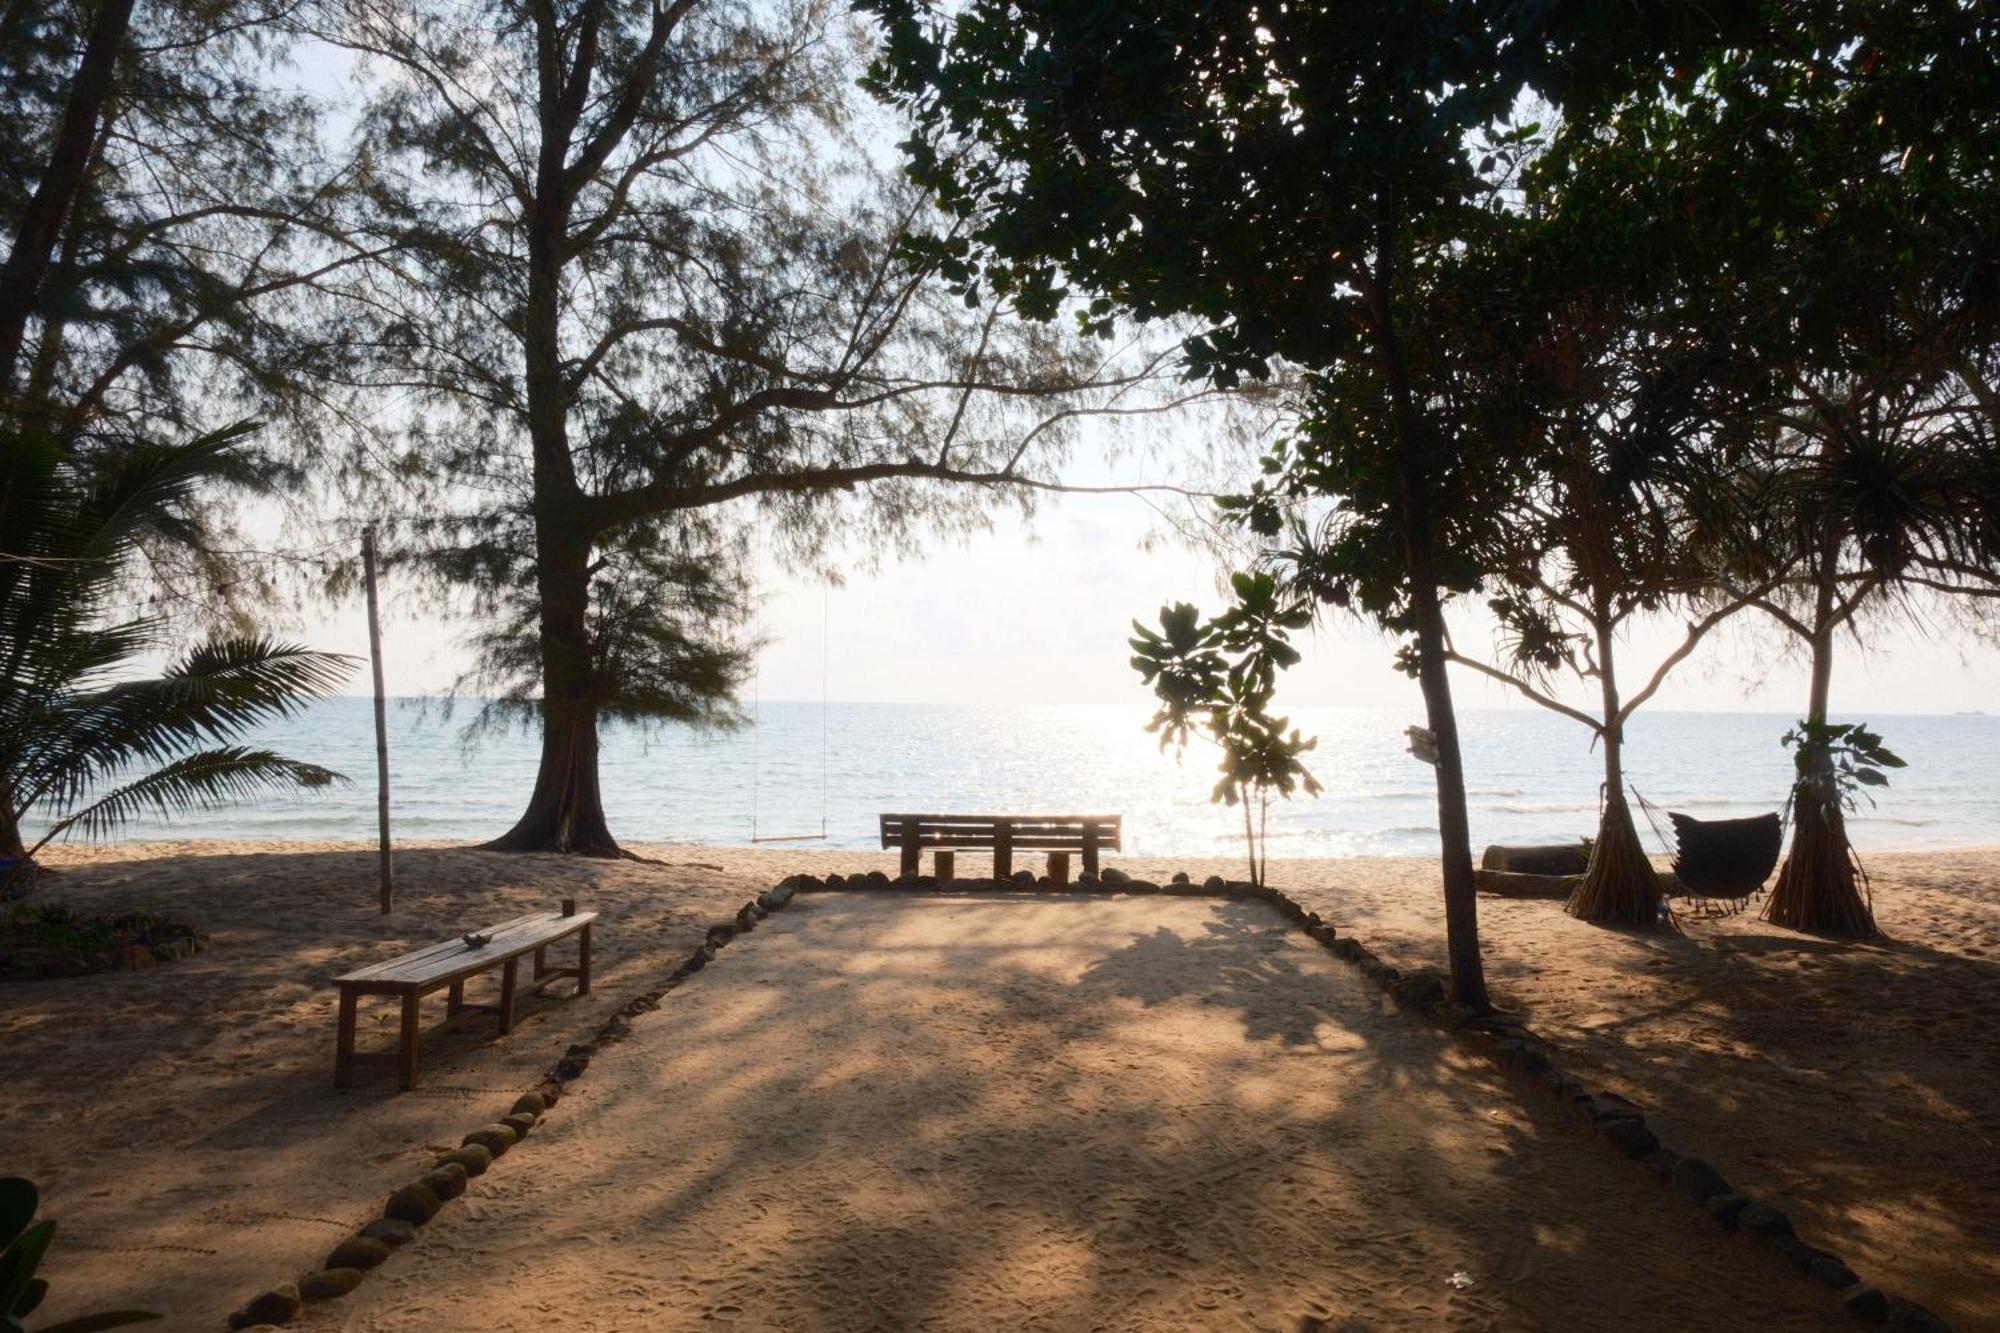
(415, 1204)
(1512, 1046)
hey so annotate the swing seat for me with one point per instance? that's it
(1725, 860)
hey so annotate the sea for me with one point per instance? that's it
(806, 769)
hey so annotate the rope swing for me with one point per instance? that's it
(757, 727)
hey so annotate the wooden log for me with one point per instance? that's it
(1559, 858)
(1514, 884)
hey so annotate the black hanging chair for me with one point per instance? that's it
(1722, 863)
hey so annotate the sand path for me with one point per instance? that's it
(1022, 1112)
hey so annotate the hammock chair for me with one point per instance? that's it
(1722, 863)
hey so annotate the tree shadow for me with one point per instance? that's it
(911, 1112)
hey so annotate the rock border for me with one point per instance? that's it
(1506, 1042)
(414, 1204)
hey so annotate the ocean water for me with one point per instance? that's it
(1531, 775)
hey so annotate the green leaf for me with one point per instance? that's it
(18, 1201)
(19, 1261)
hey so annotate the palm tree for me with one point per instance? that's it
(87, 739)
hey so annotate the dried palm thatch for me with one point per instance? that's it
(1820, 887)
(1619, 887)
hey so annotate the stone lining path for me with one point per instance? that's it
(1064, 1113)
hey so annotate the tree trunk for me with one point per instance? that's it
(1618, 887)
(1817, 888)
(61, 179)
(566, 811)
(11, 846)
(1461, 899)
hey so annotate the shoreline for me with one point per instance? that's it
(60, 855)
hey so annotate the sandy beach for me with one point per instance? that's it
(184, 1127)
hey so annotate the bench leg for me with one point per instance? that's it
(947, 866)
(911, 850)
(508, 975)
(1003, 860)
(541, 962)
(454, 999)
(407, 1066)
(1059, 867)
(343, 1049)
(583, 963)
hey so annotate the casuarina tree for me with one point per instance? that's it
(648, 274)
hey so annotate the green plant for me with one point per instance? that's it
(23, 1243)
(1219, 676)
(85, 737)
(1837, 762)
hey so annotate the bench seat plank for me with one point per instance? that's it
(440, 964)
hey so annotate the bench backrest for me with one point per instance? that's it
(1055, 833)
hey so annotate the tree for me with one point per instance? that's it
(1856, 158)
(1220, 676)
(1281, 175)
(84, 736)
(165, 204)
(649, 273)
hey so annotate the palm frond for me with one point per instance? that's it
(216, 691)
(205, 780)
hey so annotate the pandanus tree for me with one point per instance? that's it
(1603, 532)
(1860, 157)
(89, 737)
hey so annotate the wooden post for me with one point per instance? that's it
(1059, 867)
(1089, 847)
(381, 716)
(912, 852)
(1003, 849)
(947, 865)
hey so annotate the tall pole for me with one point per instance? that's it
(381, 715)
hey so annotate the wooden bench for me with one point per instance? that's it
(1058, 835)
(446, 967)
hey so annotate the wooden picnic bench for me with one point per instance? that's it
(446, 967)
(1058, 835)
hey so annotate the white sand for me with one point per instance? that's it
(184, 1127)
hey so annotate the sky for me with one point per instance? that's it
(1039, 614)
